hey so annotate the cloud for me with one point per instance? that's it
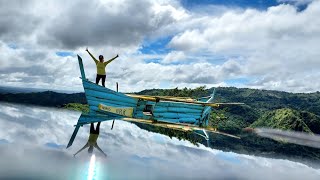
(174, 56)
(280, 42)
(54, 145)
(36, 163)
(106, 26)
(16, 23)
(35, 68)
(276, 47)
(70, 25)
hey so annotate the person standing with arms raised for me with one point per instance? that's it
(101, 67)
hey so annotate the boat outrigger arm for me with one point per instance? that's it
(167, 112)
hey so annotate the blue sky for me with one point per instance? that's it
(270, 44)
(156, 46)
(64, 53)
(259, 4)
(256, 4)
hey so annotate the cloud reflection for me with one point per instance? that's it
(133, 153)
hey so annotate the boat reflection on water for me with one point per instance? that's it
(247, 143)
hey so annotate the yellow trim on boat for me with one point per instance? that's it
(123, 111)
(180, 127)
(158, 98)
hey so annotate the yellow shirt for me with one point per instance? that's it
(101, 67)
(93, 139)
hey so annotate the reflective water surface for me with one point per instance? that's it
(33, 141)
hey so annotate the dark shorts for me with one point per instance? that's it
(95, 131)
(103, 77)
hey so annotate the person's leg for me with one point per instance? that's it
(92, 128)
(98, 128)
(97, 79)
(103, 80)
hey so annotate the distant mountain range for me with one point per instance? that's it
(46, 98)
(15, 90)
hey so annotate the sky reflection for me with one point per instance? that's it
(33, 141)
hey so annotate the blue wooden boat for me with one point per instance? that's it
(183, 114)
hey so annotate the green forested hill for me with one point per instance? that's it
(259, 104)
(289, 119)
(265, 100)
(260, 100)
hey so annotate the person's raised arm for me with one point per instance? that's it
(96, 146)
(109, 61)
(85, 146)
(95, 60)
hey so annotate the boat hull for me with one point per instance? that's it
(137, 106)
